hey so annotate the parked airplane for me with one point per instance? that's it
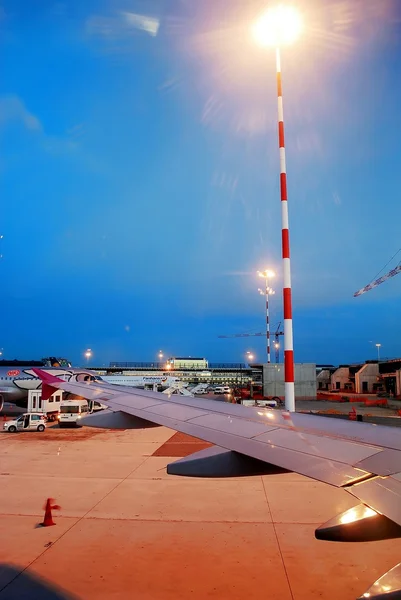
(164, 381)
(18, 377)
(361, 458)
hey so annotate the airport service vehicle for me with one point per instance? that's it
(71, 411)
(200, 388)
(222, 389)
(49, 408)
(265, 403)
(26, 422)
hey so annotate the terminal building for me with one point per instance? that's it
(266, 377)
(188, 369)
(369, 377)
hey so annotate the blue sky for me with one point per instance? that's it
(139, 178)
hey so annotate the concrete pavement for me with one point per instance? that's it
(126, 529)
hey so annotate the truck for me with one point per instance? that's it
(49, 408)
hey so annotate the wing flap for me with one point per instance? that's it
(385, 462)
(325, 447)
(382, 494)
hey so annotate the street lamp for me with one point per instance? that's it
(88, 354)
(378, 346)
(277, 349)
(280, 26)
(250, 356)
(268, 291)
(161, 354)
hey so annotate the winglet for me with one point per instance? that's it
(47, 379)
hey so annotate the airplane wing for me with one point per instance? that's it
(362, 458)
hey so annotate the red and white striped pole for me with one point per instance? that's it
(289, 391)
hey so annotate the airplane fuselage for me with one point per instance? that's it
(15, 382)
(141, 381)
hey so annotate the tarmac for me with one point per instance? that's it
(127, 530)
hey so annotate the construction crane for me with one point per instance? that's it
(277, 334)
(381, 279)
(242, 335)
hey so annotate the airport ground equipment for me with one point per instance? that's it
(72, 411)
(48, 518)
(180, 388)
(50, 407)
(26, 422)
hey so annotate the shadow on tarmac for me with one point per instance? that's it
(16, 584)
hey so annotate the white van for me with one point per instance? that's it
(71, 411)
(222, 389)
(26, 422)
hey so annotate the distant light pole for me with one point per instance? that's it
(88, 354)
(280, 26)
(250, 356)
(378, 346)
(268, 291)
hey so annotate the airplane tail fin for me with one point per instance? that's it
(47, 379)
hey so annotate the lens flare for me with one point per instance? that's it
(278, 26)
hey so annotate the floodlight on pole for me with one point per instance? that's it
(268, 291)
(280, 26)
(88, 354)
(378, 346)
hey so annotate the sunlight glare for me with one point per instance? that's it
(278, 26)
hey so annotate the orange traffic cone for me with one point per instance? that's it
(352, 414)
(49, 506)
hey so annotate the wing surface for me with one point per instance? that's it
(363, 458)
